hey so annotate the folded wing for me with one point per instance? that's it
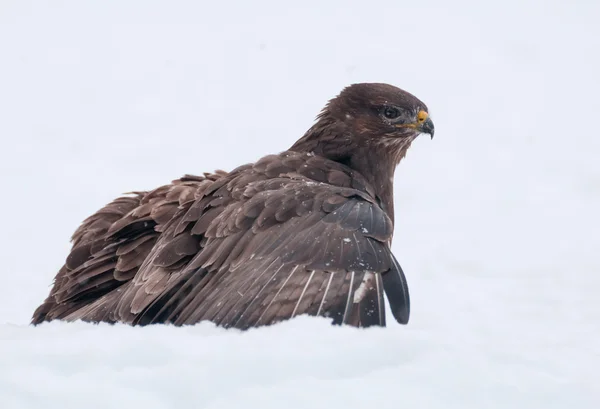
(265, 243)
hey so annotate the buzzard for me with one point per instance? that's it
(305, 231)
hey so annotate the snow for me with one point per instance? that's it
(496, 218)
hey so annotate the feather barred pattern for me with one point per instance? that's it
(306, 231)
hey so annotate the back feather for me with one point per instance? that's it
(289, 235)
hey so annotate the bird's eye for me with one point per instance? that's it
(391, 112)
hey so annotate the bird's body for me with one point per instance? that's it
(306, 231)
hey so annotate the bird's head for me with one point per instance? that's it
(376, 111)
(368, 127)
(367, 118)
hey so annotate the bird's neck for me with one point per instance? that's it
(377, 165)
(376, 161)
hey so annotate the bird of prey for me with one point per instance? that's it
(306, 231)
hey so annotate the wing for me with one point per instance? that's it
(110, 246)
(289, 235)
(264, 269)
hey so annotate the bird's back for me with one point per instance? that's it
(290, 234)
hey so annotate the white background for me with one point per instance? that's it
(497, 218)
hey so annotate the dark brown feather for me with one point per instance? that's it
(306, 231)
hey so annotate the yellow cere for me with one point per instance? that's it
(422, 116)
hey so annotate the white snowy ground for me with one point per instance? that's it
(497, 217)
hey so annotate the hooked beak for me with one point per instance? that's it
(424, 124)
(427, 127)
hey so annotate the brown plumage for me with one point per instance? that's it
(306, 231)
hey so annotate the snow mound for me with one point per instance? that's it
(302, 363)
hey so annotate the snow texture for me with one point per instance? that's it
(497, 218)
